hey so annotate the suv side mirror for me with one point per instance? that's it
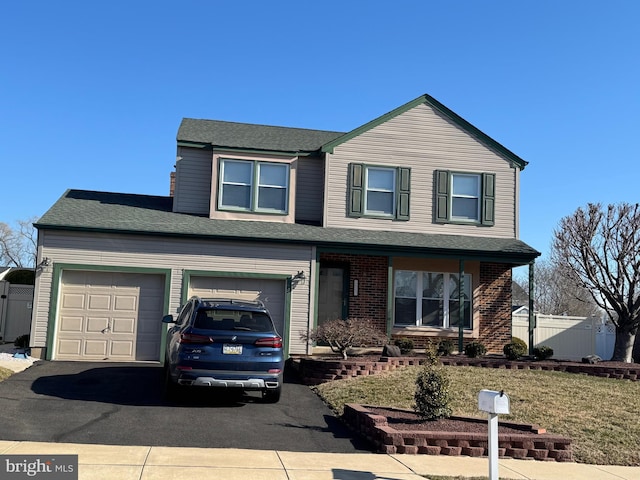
(168, 319)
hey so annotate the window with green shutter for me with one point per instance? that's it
(379, 191)
(464, 197)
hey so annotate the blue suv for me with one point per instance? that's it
(225, 343)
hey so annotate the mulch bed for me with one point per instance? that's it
(405, 420)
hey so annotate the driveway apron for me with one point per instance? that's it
(123, 404)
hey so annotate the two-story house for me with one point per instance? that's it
(410, 220)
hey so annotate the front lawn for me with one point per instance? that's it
(5, 373)
(599, 414)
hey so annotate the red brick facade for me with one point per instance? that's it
(493, 302)
(494, 305)
(372, 275)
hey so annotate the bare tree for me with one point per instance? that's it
(18, 246)
(554, 293)
(599, 249)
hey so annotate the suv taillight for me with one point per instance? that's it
(186, 338)
(273, 342)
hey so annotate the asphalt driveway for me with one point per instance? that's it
(123, 404)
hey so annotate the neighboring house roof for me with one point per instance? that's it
(80, 210)
(215, 133)
(251, 137)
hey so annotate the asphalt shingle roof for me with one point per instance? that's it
(82, 210)
(254, 137)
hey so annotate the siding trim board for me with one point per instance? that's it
(58, 270)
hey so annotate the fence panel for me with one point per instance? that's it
(17, 321)
(570, 338)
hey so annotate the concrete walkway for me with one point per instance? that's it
(97, 462)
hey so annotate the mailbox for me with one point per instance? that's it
(493, 402)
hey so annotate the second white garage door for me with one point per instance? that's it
(269, 291)
(109, 316)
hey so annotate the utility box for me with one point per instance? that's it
(491, 401)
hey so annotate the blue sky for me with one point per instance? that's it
(92, 93)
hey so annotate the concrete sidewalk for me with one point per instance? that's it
(97, 462)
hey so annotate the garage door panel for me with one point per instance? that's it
(70, 347)
(71, 324)
(110, 316)
(121, 349)
(124, 325)
(96, 324)
(99, 302)
(95, 348)
(73, 300)
(125, 303)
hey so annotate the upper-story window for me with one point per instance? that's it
(253, 186)
(380, 192)
(464, 197)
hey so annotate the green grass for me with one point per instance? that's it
(599, 414)
(5, 373)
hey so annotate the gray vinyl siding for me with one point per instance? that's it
(177, 255)
(310, 189)
(193, 181)
(424, 141)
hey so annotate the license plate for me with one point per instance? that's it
(229, 349)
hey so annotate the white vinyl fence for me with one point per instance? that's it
(571, 338)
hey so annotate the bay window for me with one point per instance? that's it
(431, 299)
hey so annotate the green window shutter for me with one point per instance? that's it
(403, 193)
(356, 190)
(488, 198)
(442, 196)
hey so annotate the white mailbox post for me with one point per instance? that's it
(493, 403)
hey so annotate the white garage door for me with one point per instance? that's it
(270, 292)
(109, 316)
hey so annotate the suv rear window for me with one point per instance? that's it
(232, 320)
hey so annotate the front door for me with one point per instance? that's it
(332, 297)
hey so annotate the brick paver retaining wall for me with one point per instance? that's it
(529, 445)
(315, 371)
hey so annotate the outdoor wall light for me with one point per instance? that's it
(355, 287)
(44, 263)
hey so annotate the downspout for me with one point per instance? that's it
(461, 302)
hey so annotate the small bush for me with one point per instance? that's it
(516, 349)
(543, 352)
(22, 341)
(342, 335)
(445, 347)
(475, 349)
(432, 396)
(405, 345)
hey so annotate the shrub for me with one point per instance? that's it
(475, 349)
(432, 396)
(341, 335)
(22, 341)
(543, 352)
(516, 349)
(405, 345)
(445, 347)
